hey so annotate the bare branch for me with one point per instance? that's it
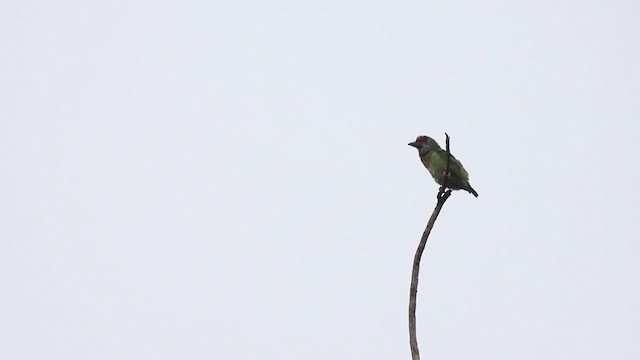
(443, 195)
(446, 171)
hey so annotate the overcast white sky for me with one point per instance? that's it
(231, 179)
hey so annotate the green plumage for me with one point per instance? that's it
(434, 158)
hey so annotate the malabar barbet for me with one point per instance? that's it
(434, 158)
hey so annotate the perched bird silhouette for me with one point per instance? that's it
(435, 160)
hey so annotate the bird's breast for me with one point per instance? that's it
(429, 161)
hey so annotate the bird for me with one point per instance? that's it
(435, 160)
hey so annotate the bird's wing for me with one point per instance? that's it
(455, 166)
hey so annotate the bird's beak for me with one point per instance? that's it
(414, 144)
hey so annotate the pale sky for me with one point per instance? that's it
(231, 179)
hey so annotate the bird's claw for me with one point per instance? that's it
(443, 193)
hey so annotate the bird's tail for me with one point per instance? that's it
(471, 190)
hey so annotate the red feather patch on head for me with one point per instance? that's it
(422, 139)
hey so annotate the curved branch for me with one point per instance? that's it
(443, 195)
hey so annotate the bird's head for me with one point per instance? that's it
(424, 144)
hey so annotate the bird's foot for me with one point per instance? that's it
(443, 193)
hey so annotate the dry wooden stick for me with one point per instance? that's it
(442, 196)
